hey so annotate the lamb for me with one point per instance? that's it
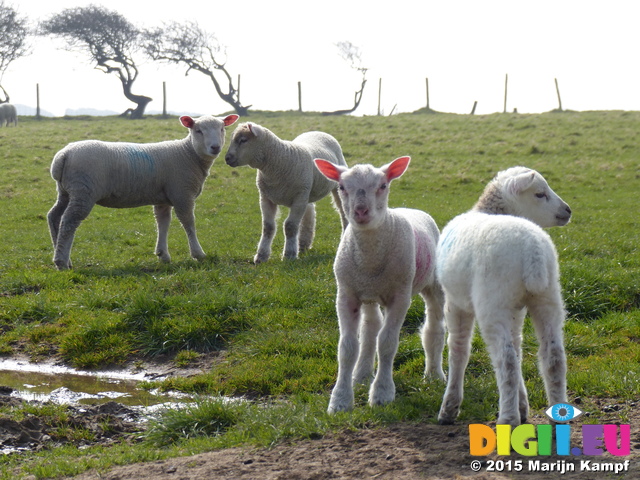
(286, 176)
(8, 114)
(494, 263)
(385, 257)
(124, 175)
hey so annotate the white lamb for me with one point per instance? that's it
(8, 114)
(286, 176)
(123, 175)
(494, 266)
(385, 257)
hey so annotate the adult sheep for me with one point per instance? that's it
(495, 263)
(287, 176)
(167, 175)
(385, 257)
(8, 114)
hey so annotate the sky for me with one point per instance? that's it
(464, 47)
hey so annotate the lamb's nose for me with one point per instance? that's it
(215, 149)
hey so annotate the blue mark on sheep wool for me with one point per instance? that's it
(141, 162)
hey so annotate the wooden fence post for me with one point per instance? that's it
(473, 110)
(38, 101)
(558, 92)
(379, 94)
(164, 99)
(506, 81)
(427, 80)
(300, 97)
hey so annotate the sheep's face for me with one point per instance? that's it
(533, 199)
(244, 146)
(207, 133)
(364, 190)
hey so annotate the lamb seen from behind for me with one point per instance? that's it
(167, 175)
(386, 256)
(286, 176)
(494, 263)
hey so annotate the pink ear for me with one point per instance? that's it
(187, 121)
(396, 168)
(328, 169)
(230, 120)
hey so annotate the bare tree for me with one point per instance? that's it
(199, 50)
(353, 55)
(13, 40)
(111, 41)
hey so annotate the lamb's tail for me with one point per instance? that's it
(57, 166)
(538, 264)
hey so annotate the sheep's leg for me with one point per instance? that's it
(369, 329)
(269, 211)
(163, 220)
(54, 217)
(547, 316)
(184, 212)
(460, 327)
(342, 397)
(337, 203)
(516, 335)
(292, 229)
(383, 390)
(433, 331)
(73, 215)
(307, 228)
(496, 326)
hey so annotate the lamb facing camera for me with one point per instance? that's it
(386, 256)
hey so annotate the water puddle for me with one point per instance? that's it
(59, 384)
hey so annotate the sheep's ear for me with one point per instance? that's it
(520, 183)
(257, 130)
(396, 168)
(230, 119)
(187, 121)
(328, 169)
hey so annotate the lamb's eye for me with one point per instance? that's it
(242, 139)
(383, 186)
(198, 131)
(541, 195)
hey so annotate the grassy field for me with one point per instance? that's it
(275, 323)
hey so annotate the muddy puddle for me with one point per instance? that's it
(107, 404)
(59, 384)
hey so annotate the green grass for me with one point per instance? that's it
(276, 322)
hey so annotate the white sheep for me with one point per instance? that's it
(494, 265)
(286, 176)
(386, 256)
(123, 175)
(8, 114)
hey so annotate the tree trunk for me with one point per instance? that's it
(140, 100)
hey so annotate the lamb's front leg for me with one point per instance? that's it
(369, 329)
(383, 389)
(348, 308)
(269, 211)
(185, 213)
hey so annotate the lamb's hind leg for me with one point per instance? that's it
(54, 217)
(496, 327)
(547, 316)
(433, 331)
(73, 215)
(516, 334)
(307, 228)
(163, 220)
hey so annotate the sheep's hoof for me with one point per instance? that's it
(62, 265)
(258, 259)
(446, 421)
